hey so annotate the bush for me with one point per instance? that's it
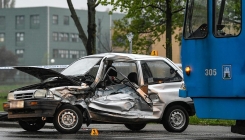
(7, 58)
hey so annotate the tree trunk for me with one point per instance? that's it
(91, 27)
(168, 29)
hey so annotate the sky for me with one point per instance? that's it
(78, 4)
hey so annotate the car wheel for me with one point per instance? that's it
(135, 127)
(32, 125)
(68, 119)
(175, 119)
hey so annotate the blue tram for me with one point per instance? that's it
(213, 59)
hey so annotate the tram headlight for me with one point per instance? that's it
(188, 70)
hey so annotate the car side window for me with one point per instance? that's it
(157, 72)
(125, 68)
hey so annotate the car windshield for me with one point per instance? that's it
(81, 67)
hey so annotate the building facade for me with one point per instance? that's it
(48, 35)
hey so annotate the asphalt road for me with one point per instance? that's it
(119, 132)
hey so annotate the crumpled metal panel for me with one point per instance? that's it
(119, 99)
(69, 94)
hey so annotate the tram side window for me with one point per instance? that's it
(196, 19)
(227, 18)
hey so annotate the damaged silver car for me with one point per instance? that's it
(118, 88)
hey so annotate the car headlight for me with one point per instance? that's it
(40, 93)
(10, 96)
(50, 95)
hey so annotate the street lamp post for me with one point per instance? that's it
(130, 39)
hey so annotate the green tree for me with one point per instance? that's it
(7, 58)
(7, 3)
(150, 19)
(88, 41)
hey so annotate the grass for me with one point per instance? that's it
(196, 121)
(2, 100)
(4, 89)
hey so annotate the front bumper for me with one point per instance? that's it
(191, 110)
(32, 109)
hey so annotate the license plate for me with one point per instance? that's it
(17, 104)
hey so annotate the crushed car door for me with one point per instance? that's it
(120, 99)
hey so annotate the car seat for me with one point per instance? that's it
(133, 77)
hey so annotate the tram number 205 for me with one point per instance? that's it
(210, 72)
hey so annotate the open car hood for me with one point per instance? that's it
(43, 74)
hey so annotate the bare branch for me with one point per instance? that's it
(82, 34)
(181, 9)
(97, 3)
(153, 6)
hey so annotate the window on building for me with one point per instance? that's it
(67, 54)
(55, 36)
(74, 38)
(55, 19)
(2, 22)
(35, 21)
(63, 37)
(66, 20)
(66, 37)
(2, 37)
(74, 54)
(64, 53)
(20, 37)
(19, 53)
(60, 53)
(20, 22)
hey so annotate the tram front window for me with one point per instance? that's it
(196, 19)
(227, 18)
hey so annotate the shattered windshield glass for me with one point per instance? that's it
(81, 67)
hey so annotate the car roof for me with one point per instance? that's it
(125, 56)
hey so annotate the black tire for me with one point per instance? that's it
(175, 119)
(135, 127)
(68, 119)
(32, 125)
